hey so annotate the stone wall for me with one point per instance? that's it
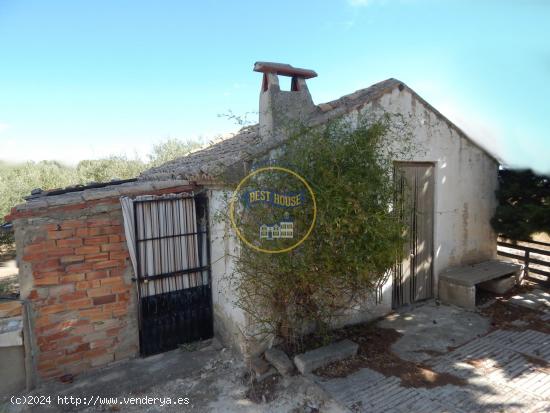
(75, 272)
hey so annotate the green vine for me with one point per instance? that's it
(358, 236)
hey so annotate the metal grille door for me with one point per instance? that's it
(173, 272)
(413, 277)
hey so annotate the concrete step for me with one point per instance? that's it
(279, 360)
(312, 360)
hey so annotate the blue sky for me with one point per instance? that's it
(83, 79)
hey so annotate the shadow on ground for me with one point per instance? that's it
(499, 367)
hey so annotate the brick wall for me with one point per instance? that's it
(75, 271)
(80, 297)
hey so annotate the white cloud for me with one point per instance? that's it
(3, 126)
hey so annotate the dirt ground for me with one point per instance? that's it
(212, 380)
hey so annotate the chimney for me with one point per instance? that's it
(280, 110)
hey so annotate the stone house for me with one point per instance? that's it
(106, 278)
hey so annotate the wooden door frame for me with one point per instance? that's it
(432, 164)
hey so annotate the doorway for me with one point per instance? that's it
(413, 276)
(173, 271)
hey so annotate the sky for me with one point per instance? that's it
(85, 79)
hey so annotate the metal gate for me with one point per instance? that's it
(173, 272)
(413, 277)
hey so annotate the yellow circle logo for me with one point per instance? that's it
(281, 233)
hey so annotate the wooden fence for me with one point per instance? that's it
(534, 255)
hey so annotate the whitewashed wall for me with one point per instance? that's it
(465, 184)
(229, 320)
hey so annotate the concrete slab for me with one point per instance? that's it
(471, 275)
(430, 328)
(212, 381)
(11, 331)
(12, 370)
(503, 370)
(458, 285)
(536, 300)
(311, 360)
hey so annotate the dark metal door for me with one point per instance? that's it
(173, 260)
(413, 277)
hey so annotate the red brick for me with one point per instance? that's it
(80, 348)
(84, 285)
(72, 278)
(66, 233)
(96, 275)
(50, 280)
(46, 365)
(69, 242)
(113, 247)
(33, 295)
(88, 249)
(69, 342)
(117, 272)
(37, 256)
(120, 309)
(72, 223)
(99, 222)
(43, 274)
(50, 309)
(98, 292)
(48, 346)
(81, 304)
(94, 353)
(104, 299)
(54, 336)
(70, 259)
(123, 297)
(119, 255)
(103, 343)
(41, 321)
(113, 239)
(61, 289)
(107, 264)
(61, 251)
(102, 256)
(120, 289)
(84, 329)
(113, 332)
(82, 232)
(96, 314)
(47, 265)
(110, 230)
(77, 295)
(71, 358)
(96, 240)
(112, 281)
(81, 267)
(50, 373)
(91, 312)
(50, 355)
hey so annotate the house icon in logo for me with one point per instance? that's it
(283, 229)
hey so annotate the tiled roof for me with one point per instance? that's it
(206, 164)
